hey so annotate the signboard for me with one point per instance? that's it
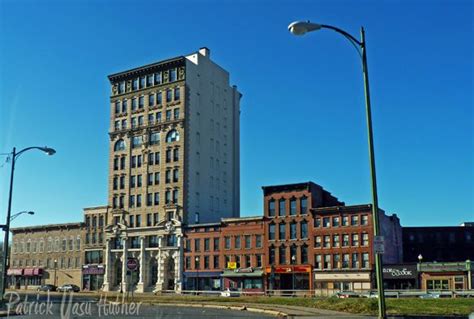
(231, 265)
(93, 270)
(379, 247)
(132, 264)
(244, 270)
(400, 272)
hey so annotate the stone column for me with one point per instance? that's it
(124, 264)
(141, 285)
(158, 286)
(108, 271)
(179, 265)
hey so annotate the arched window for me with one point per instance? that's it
(172, 136)
(119, 145)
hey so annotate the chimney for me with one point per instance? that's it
(205, 51)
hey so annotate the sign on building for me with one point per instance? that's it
(132, 264)
(379, 247)
(231, 265)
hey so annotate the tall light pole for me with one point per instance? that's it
(6, 227)
(300, 28)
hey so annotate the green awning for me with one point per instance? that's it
(232, 273)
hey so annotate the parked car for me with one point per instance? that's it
(47, 288)
(430, 295)
(347, 294)
(230, 292)
(68, 288)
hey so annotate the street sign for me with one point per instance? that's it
(231, 265)
(132, 264)
(379, 247)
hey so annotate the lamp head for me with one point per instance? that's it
(301, 27)
(48, 150)
(30, 213)
(420, 257)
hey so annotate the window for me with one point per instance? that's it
(317, 241)
(119, 145)
(335, 222)
(141, 102)
(176, 154)
(282, 231)
(442, 284)
(345, 220)
(124, 109)
(293, 206)
(354, 220)
(137, 141)
(317, 222)
(271, 208)
(138, 220)
(364, 220)
(355, 239)
(175, 196)
(365, 260)
(335, 241)
(293, 253)
(176, 113)
(168, 96)
(304, 254)
(131, 221)
(345, 260)
(153, 241)
(337, 261)
(197, 245)
(355, 260)
(168, 115)
(227, 242)
(237, 242)
(271, 231)
(207, 244)
(177, 94)
(175, 175)
(304, 229)
(258, 241)
(135, 84)
(167, 197)
(121, 87)
(365, 239)
(157, 178)
(345, 240)
(282, 207)
(154, 138)
(216, 244)
(258, 260)
(172, 136)
(134, 104)
(271, 255)
(157, 199)
(149, 80)
(142, 82)
(173, 74)
(117, 107)
(168, 156)
(158, 78)
(317, 261)
(293, 230)
(247, 243)
(327, 241)
(131, 202)
(282, 254)
(326, 222)
(327, 261)
(304, 205)
(156, 218)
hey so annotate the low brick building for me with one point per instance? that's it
(46, 254)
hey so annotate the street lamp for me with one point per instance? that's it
(21, 213)
(6, 228)
(55, 270)
(300, 28)
(293, 260)
(196, 264)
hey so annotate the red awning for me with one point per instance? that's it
(15, 272)
(32, 271)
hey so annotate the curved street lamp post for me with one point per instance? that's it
(6, 227)
(300, 28)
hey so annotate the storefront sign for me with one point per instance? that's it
(244, 270)
(400, 272)
(288, 269)
(93, 270)
(379, 245)
(231, 265)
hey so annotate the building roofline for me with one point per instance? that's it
(239, 219)
(116, 76)
(292, 186)
(202, 225)
(47, 227)
(96, 207)
(343, 208)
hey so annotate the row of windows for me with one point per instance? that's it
(282, 254)
(137, 141)
(63, 262)
(237, 243)
(94, 238)
(152, 119)
(38, 246)
(172, 155)
(204, 262)
(150, 80)
(336, 261)
(283, 208)
(153, 241)
(338, 221)
(121, 107)
(92, 221)
(282, 227)
(334, 241)
(171, 176)
(171, 196)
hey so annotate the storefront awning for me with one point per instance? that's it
(32, 272)
(202, 274)
(15, 272)
(236, 273)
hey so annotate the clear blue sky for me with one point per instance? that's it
(303, 115)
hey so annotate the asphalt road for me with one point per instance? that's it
(39, 306)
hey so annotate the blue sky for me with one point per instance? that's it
(303, 115)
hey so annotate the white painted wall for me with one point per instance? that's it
(212, 146)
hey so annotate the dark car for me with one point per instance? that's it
(47, 288)
(68, 288)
